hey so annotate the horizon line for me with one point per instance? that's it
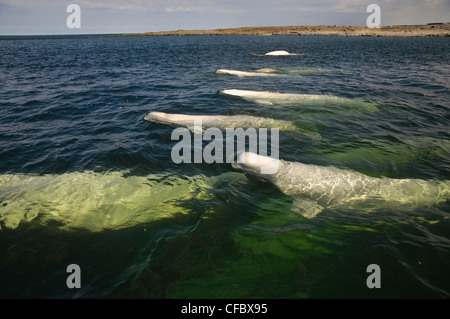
(215, 29)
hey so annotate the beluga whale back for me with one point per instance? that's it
(314, 187)
(281, 53)
(271, 98)
(219, 121)
(267, 97)
(266, 72)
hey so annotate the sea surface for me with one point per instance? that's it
(85, 180)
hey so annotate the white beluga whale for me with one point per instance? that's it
(266, 72)
(281, 53)
(220, 121)
(102, 201)
(270, 98)
(276, 97)
(314, 187)
(278, 52)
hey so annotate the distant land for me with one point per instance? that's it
(441, 29)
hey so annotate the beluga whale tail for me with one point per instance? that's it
(314, 187)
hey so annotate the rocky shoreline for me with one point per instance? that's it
(428, 30)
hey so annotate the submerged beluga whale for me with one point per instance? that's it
(314, 187)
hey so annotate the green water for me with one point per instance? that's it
(85, 180)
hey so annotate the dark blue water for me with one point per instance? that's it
(74, 148)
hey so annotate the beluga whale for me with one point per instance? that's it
(219, 121)
(314, 187)
(281, 53)
(267, 97)
(265, 72)
(99, 201)
(273, 98)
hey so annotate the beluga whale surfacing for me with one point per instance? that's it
(314, 187)
(224, 122)
(278, 52)
(265, 72)
(281, 53)
(219, 121)
(274, 98)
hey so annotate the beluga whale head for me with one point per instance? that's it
(160, 117)
(257, 164)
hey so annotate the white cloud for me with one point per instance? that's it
(204, 6)
(178, 9)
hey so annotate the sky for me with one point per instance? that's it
(42, 17)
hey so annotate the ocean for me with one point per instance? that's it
(86, 181)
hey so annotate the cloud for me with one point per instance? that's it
(316, 5)
(414, 11)
(178, 9)
(204, 6)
